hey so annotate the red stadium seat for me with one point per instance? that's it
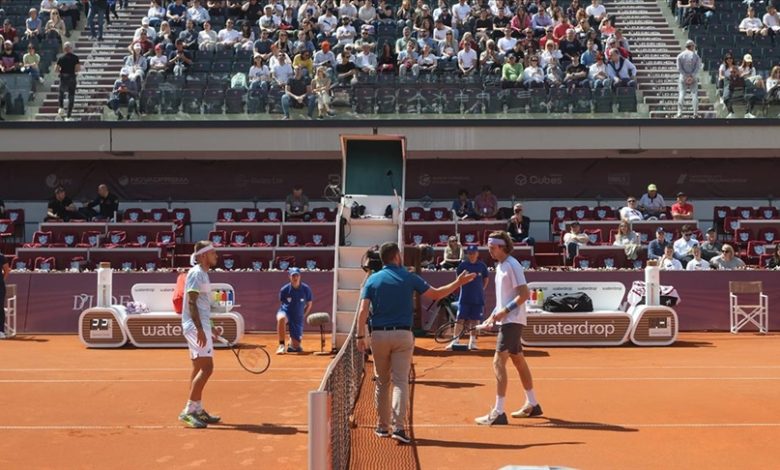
(767, 212)
(45, 264)
(742, 236)
(768, 235)
(322, 214)
(240, 238)
(67, 240)
(227, 215)
(272, 215)
(755, 250)
(416, 238)
(40, 240)
(284, 262)
(560, 213)
(90, 239)
(139, 240)
(266, 239)
(7, 229)
(440, 214)
(581, 213)
(250, 214)
(470, 238)
(182, 218)
(764, 260)
(159, 215)
(415, 214)
(442, 238)
(134, 215)
(744, 212)
(730, 225)
(292, 238)
(594, 236)
(116, 239)
(604, 213)
(316, 239)
(719, 216)
(165, 239)
(217, 238)
(228, 262)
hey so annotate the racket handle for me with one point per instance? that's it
(223, 340)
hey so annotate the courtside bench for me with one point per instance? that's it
(113, 327)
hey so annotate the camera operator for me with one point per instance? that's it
(388, 293)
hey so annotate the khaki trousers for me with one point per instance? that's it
(392, 351)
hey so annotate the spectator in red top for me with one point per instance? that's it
(486, 203)
(9, 32)
(559, 32)
(682, 209)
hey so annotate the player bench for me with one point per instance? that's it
(114, 326)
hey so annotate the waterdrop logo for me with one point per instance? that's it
(124, 180)
(51, 181)
(424, 180)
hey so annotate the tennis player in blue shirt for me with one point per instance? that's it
(471, 303)
(296, 302)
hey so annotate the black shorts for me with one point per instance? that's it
(509, 338)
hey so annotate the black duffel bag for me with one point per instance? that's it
(568, 303)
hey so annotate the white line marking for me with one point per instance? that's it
(146, 369)
(418, 379)
(600, 425)
(28, 381)
(142, 427)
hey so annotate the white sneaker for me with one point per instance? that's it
(61, 112)
(492, 418)
(281, 349)
(749, 116)
(473, 345)
(678, 115)
(449, 346)
(730, 116)
(2, 335)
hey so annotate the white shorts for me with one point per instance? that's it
(191, 335)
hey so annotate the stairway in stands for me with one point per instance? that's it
(654, 47)
(100, 66)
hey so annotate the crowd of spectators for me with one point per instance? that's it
(304, 49)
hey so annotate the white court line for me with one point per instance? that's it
(535, 367)
(141, 427)
(598, 425)
(144, 369)
(75, 381)
(418, 379)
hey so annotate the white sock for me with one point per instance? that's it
(530, 397)
(190, 407)
(499, 404)
(198, 406)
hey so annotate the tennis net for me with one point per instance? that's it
(342, 383)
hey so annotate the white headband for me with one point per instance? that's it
(496, 242)
(194, 256)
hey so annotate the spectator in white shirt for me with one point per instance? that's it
(282, 71)
(440, 31)
(207, 39)
(507, 43)
(467, 59)
(366, 60)
(697, 263)
(228, 37)
(573, 239)
(156, 13)
(427, 61)
(771, 20)
(347, 10)
(751, 25)
(145, 26)
(327, 25)
(461, 13)
(683, 247)
(533, 75)
(269, 21)
(598, 75)
(668, 262)
(197, 13)
(621, 71)
(367, 12)
(652, 204)
(346, 33)
(630, 213)
(159, 62)
(596, 13)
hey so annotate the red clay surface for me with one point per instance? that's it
(710, 402)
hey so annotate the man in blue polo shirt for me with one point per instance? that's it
(471, 302)
(296, 301)
(388, 294)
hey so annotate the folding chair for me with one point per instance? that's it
(10, 311)
(744, 314)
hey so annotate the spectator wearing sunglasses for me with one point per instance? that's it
(683, 246)
(727, 259)
(518, 226)
(630, 213)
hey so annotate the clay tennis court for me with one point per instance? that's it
(710, 401)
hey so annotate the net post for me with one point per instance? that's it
(319, 431)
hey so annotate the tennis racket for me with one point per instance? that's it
(452, 331)
(253, 358)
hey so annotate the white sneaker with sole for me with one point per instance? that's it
(449, 346)
(730, 116)
(492, 418)
(281, 349)
(61, 112)
(2, 335)
(749, 116)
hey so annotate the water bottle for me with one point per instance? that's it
(217, 298)
(540, 298)
(230, 299)
(222, 298)
(104, 275)
(532, 299)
